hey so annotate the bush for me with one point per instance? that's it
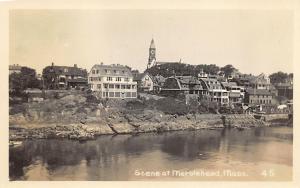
(170, 105)
(135, 105)
(209, 106)
(92, 99)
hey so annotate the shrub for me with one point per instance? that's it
(172, 106)
(135, 105)
(92, 99)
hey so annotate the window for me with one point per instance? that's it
(109, 78)
(126, 79)
(105, 70)
(128, 94)
(128, 87)
(97, 71)
(111, 86)
(133, 86)
(117, 86)
(117, 94)
(122, 86)
(111, 94)
(105, 94)
(118, 79)
(93, 71)
(105, 86)
(99, 86)
(65, 70)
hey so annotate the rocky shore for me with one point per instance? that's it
(79, 117)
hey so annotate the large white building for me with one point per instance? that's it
(216, 90)
(112, 81)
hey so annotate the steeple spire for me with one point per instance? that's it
(152, 45)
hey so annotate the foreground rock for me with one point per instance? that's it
(82, 117)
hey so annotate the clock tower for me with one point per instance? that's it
(152, 55)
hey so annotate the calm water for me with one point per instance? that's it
(254, 154)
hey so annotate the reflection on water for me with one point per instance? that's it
(119, 157)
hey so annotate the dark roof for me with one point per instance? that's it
(112, 70)
(229, 84)
(70, 70)
(192, 81)
(210, 85)
(258, 92)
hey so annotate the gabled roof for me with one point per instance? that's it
(112, 70)
(192, 81)
(70, 70)
(140, 76)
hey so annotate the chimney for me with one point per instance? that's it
(75, 65)
(52, 64)
(101, 63)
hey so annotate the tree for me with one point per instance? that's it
(181, 69)
(21, 81)
(278, 77)
(210, 69)
(228, 70)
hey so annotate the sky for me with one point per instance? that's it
(253, 41)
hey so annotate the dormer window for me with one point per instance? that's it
(66, 70)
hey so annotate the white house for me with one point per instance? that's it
(112, 81)
(145, 81)
(216, 90)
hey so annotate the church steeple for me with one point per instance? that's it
(152, 45)
(152, 54)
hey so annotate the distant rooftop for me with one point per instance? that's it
(112, 70)
(15, 67)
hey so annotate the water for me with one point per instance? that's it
(254, 154)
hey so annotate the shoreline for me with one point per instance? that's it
(91, 130)
(83, 117)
